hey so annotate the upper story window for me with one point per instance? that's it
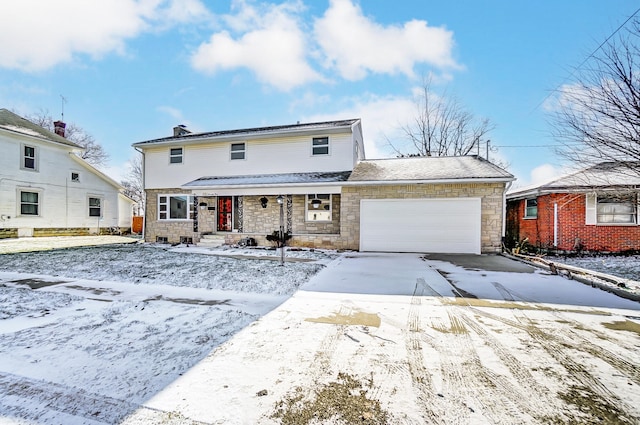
(318, 207)
(617, 209)
(175, 207)
(75, 177)
(175, 156)
(29, 158)
(320, 146)
(238, 150)
(95, 207)
(531, 208)
(29, 203)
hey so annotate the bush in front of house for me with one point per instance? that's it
(274, 238)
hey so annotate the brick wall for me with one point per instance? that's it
(572, 229)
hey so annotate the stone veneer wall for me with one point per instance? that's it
(171, 229)
(8, 233)
(491, 195)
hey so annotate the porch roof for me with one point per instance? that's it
(267, 180)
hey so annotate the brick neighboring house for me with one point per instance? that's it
(595, 209)
(226, 185)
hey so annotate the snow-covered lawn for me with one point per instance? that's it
(618, 265)
(147, 334)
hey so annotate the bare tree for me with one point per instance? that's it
(441, 127)
(133, 184)
(93, 151)
(598, 119)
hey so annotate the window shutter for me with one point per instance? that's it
(591, 208)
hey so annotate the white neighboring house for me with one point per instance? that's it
(46, 189)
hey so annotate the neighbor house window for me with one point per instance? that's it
(29, 159)
(318, 207)
(616, 209)
(29, 203)
(320, 146)
(75, 177)
(175, 207)
(175, 156)
(238, 150)
(95, 207)
(531, 208)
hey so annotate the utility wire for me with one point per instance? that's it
(588, 57)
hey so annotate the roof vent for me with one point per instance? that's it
(180, 130)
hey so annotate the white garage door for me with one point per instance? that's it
(420, 225)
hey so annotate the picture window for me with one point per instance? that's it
(175, 207)
(617, 209)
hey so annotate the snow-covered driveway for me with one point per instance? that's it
(171, 337)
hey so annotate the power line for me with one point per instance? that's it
(588, 57)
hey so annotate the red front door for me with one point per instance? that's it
(225, 213)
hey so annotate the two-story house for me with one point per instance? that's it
(48, 190)
(232, 183)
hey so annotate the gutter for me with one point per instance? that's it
(430, 181)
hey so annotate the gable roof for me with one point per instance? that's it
(257, 132)
(427, 169)
(268, 179)
(15, 123)
(605, 175)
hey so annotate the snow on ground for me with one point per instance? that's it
(146, 334)
(625, 266)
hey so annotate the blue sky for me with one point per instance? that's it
(130, 70)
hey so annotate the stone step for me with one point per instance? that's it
(210, 241)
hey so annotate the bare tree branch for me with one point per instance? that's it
(93, 152)
(441, 127)
(599, 116)
(133, 184)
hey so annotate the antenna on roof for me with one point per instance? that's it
(64, 100)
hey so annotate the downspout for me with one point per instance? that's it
(555, 224)
(504, 209)
(144, 198)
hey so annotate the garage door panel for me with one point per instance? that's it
(420, 225)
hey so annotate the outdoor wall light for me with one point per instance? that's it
(264, 201)
(280, 199)
(315, 203)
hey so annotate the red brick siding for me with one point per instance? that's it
(571, 226)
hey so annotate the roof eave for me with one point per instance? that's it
(428, 181)
(259, 186)
(68, 144)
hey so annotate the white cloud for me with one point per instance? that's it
(44, 34)
(381, 118)
(356, 45)
(174, 113)
(272, 45)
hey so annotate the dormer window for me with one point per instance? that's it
(238, 150)
(320, 146)
(175, 156)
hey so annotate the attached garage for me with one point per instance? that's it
(442, 225)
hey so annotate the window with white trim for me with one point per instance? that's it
(616, 209)
(95, 207)
(29, 158)
(320, 146)
(238, 150)
(175, 207)
(175, 156)
(29, 203)
(318, 207)
(531, 208)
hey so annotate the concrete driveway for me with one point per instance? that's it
(399, 339)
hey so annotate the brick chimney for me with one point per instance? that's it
(180, 130)
(58, 128)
